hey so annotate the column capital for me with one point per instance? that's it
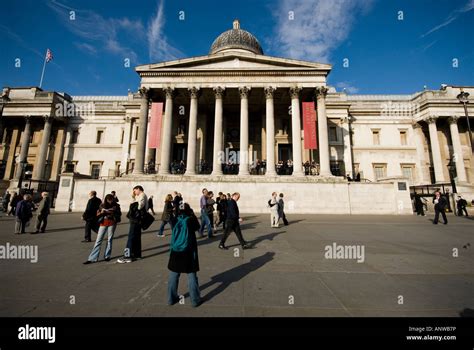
(269, 91)
(295, 92)
(416, 125)
(144, 92)
(169, 92)
(431, 119)
(346, 119)
(194, 92)
(453, 119)
(321, 91)
(244, 91)
(219, 92)
(48, 118)
(28, 119)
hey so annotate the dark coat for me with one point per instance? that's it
(24, 210)
(442, 203)
(90, 214)
(167, 212)
(188, 261)
(281, 206)
(232, 210)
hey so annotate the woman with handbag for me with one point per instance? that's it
(107, 218)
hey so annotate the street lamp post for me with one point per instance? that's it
(23, 165)
(463, 97)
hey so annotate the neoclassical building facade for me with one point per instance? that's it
(236, 100)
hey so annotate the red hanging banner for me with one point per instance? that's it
(154, 131)
(309, 125)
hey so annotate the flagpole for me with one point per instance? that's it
(42, 73)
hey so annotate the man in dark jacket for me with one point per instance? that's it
(43, 212)
(90, 216)
(185, 261)
(462, 204)
(23, 213)
(440, 204)
(5, 201)
(281, 210)
(233, 223)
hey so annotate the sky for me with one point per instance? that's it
(374, 46)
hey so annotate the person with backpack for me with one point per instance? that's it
(137, 211)
(167, 216)
(184, 256)
(23, 213)
(107, 218)
(273, 205)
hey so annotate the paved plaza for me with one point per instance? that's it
(408, 270)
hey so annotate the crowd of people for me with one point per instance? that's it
(23, 206)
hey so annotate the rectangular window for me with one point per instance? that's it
(136, 133)
(380, 171)
(117, 168)
(403, 137)
(122, 137)
(70, 167)
(95, 170)
(408, 171)
(376, 137)
(100, 136)
(332, 133)
(74, 136)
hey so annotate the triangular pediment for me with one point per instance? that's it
(233, 61)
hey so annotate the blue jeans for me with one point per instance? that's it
(162, 227)
(205, 221)
(193, 286)
(110, 230)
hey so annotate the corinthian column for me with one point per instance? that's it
(166, 133)
(192, 131)
(25, 143)
(296, 131)
(270, 131)
(324, 166)
(435, 149)
(217, 156)
(244, 131)
(458, 156)
(43, 151)
(142, 132)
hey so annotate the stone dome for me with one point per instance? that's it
(236, 38)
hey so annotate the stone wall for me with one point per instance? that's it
(301, 195)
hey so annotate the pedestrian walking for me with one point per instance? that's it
(90, 216)
(440, 205)
(167, 217)
(233, 223)
(13, 202)
(184, 256)
(281, 210)
(461, 206)
(273, 205)
(205, 220)
(42, 213)
(5, 201)
(419, 205)
(108, 216)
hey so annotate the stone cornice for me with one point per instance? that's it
(224, 73)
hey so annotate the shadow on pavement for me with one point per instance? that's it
(226, 278)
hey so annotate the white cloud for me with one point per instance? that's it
(158, 45)
(318, 27)
(348, 87)
(91, 50)
(99, 31)
(452, 17)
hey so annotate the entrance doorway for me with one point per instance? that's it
(285, 152)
